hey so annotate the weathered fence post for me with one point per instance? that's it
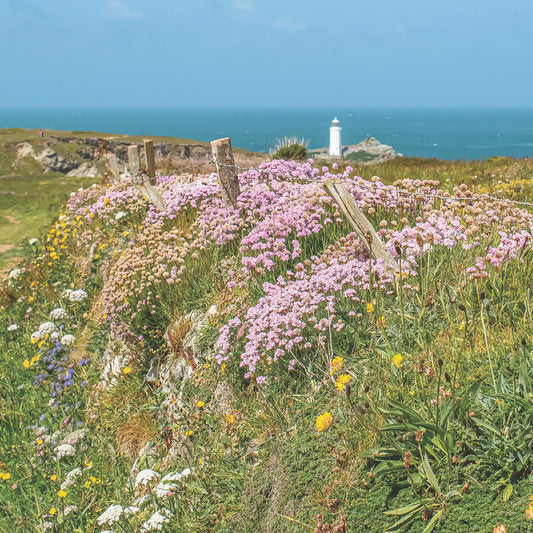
(146, 188)
(227, 173)
(133, 160)
(336, 189)
(113, 166)
(150, 159)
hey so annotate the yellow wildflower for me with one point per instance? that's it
(126, 370)
(26, 364)
(342, 381)
(87, 484)
(230, 418)
(397, 360)
(53, 477)
(6, 476)
(324, 421)
(62, 493)
(336, 364)
(52, 511)
(88, 464)
(369, 307)
(200, 404)
(380, 322)
(189, 433)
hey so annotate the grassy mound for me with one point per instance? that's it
(253, 369)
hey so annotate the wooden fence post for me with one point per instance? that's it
(133, 159)
(227, 173)
(146, 188)
(336, 189)
(150, 159)
(113, 166)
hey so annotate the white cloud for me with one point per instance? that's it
(117, 9)
(288, 24)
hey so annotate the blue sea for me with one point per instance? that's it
(464, 134)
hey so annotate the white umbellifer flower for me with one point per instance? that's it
(36, 335)
(156, 521)
(77, 295)
(121, 214)
(110, 515)
(70, 509)
(54, 336)
(12, 327)
(145, 476)
(65, 450)
(47, 328)
(68, 340)
(15, 273)
(166, 487)
(70, 478)
(130, 510)
(66, 294)
(33, 241)
(58, 314)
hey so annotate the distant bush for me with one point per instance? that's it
(290, 149)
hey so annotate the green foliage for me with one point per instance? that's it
(292, 152)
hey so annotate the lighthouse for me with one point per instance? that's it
(335, 138)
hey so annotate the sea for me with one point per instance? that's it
(455, 134)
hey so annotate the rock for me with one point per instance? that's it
(382, 152)
(85, 170)
(25, 149)
(51, 161)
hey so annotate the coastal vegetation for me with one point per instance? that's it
(254, 369)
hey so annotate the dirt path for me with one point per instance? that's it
(5, 247)
(11, 220)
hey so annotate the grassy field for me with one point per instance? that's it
(210, 369)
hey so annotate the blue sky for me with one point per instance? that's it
(257, 53)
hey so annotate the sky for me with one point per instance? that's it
(266, 53)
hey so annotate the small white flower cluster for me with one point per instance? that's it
(68, 340)
(166, 487)
(70, 509)
(70, 478)
(14, 274)
(65, 450)
(46, 328)
(156, 521)
(121, 214)
(58, 314)
(33, 241)
(113, 513)
(144, 477)
(75, 296)
(12, 327)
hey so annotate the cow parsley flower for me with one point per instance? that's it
(156, 521)
(14, 274)
(58, 314)
(145, 476)
(68, 340)
(110, 515)
(47, 328)
(65, 450)
(12, 327)
(77, 296)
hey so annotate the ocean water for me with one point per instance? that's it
(465, 134)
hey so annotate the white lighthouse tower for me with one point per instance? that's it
(335, 138)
